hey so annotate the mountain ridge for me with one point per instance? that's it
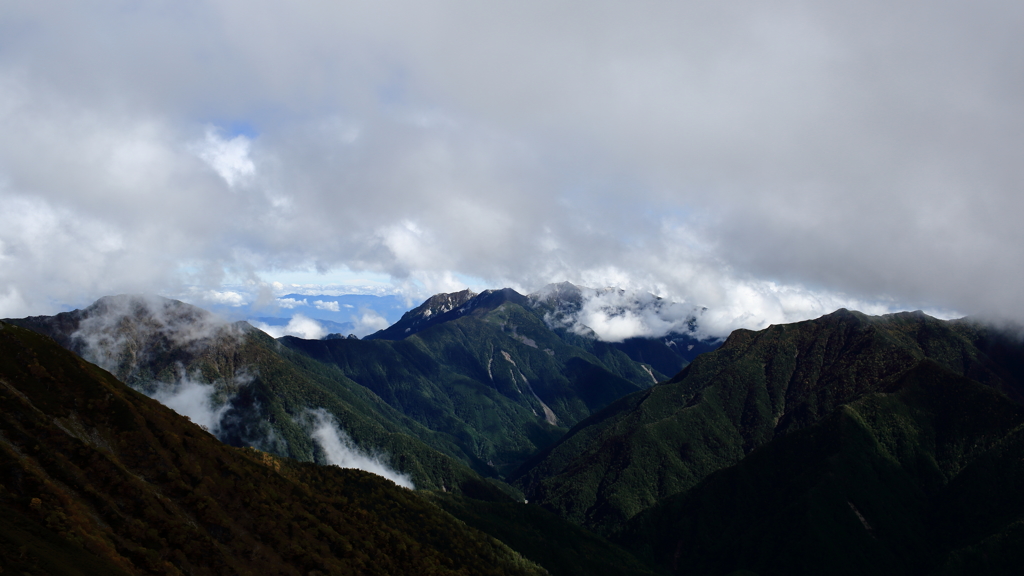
(891, 483)
(131, 487)
(266, 389)
(756, 386)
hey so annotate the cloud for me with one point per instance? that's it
(766, 161)
(614, 315)
(126, 334)
(12, 305)
(299, 325)
(369, 322)
(229, 297)
(119, 333)
(341, 451)
(291, 302)
(194, 400)
(229, 158)
(330, 306)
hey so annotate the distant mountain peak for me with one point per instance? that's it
(427, 314)
(120, 333)
(561, 291)
(441, 303)
(448, 306)
(609, 314)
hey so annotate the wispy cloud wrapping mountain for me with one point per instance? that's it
(341, 451)
(767, 161)
(195, 400)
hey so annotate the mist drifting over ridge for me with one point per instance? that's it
(163, 348)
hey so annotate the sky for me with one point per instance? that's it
(769, 161)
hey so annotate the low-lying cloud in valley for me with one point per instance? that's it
(770, 162)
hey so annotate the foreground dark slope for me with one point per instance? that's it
(152, 342)
(756, 387)
(561, 547)
(95, 478)
(486, 371)
(921, 479)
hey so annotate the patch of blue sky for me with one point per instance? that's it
(233, 128)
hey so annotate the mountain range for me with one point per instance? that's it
(846, 444)
(325, 313)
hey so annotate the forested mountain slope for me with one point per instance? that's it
(496, 378)
(756, 387)
(923, 478)
(483, 379)
(96, 478)
(245, 387)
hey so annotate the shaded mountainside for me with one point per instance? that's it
(96, 478)
(758, 386)
(561, 547)
(262, 393)
(921, 479)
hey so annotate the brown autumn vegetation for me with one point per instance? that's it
(97, 478)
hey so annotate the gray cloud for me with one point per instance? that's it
(768, 161)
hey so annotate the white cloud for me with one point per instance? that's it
(12, 305)
(299, 325)
(195, 400)
(341, 451)
(229, 158)
(329, 306)
(228, 297)
(615, 315)
(104, 341)
(369, 322)
(291, 302)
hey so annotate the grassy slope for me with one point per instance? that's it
(112, 478)
(757, 386)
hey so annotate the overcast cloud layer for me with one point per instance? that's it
(771, 161)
